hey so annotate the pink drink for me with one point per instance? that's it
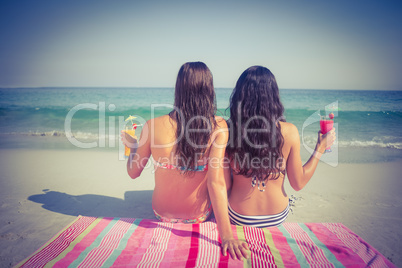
(326, 125)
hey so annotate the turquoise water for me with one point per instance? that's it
(369, 122)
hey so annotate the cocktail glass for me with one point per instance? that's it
(130, 132)
(326, 124)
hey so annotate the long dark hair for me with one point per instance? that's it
(254, 129)
(194, 113)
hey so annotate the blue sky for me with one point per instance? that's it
(316, 44)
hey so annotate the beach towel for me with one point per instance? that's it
(128, 242)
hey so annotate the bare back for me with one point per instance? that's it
(175, 195)
(248, 200)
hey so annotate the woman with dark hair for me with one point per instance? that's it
(188, 147)
(262, 149)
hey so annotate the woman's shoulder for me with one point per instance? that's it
(220, 122)
(289, 131)
(161, 123)
(288, 126)
(160, 119)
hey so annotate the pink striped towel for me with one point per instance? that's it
(127, 242)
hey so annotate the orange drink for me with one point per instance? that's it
(130, 132)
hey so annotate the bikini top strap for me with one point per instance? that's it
(171, 166)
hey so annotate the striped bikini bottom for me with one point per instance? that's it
(258, 221)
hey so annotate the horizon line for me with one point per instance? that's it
(136, 87)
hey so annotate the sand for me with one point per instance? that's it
(42, 191)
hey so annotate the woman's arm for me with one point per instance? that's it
(218, 193)
(227, 173)
(298, 174)
(139, 153)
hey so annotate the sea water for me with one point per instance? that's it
(368, 123)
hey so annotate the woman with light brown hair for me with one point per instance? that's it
(188, 148)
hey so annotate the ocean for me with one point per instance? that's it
(368, 123)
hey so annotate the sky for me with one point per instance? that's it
(307, 44)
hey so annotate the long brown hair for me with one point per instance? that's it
(194, 113)
(255, 105)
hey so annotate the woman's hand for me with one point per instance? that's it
(325, 140)
(128, 140)
(237, 249)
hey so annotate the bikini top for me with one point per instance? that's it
(171, 166)
(281, 171)
(255, 181)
